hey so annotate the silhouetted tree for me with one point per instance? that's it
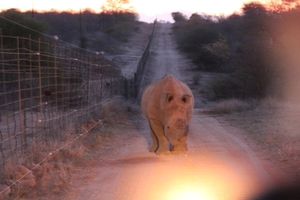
(179, 17)
(117, 6)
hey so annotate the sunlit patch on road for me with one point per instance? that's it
(189, 178)
(189, 193)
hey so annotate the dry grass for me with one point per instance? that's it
(273, 125)
(53, 173)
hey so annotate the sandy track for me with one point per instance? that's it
(218, 165)
(164, 58)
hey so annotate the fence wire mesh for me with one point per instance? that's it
(48, 88)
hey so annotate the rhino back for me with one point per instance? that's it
(175, 86)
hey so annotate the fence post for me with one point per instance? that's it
(40, 82)
(126, 88)
(24, 85)
(31, 80)
(111, 84)
(4, 90)
(136, 85)
(22, 137)
(88, 80)
(101, 87)
(56, 96)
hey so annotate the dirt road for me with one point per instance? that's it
(218, 165)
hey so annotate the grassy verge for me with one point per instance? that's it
(273, 125)
(48, 167)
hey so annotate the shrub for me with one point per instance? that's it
(223, 86)
(13, 29)
(121, 31)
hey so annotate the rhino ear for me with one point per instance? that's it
(170, 97)
(186, 98)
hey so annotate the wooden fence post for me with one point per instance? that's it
(126, 88)
(136, 85)
(22, 136)
(5, 92)
(40, 83)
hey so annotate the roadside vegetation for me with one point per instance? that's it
(274, 127)
(47, 167)
(252, 60)
(254, 52)
(105, 31)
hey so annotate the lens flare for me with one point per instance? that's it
(191, 194)
(209, 179)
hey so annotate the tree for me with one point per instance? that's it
(220, 50)
(117, 6)
(116, 12)
(196, 18)
(254, 9)
(179, 17)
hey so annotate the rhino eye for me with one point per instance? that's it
(170, 98)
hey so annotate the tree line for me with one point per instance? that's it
(255, 52)
(105, 31)
(87, 29)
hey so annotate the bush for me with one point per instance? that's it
(240, 45)
(191, 38)
(222, 87)
(12, 29)
(241, 84)
(122, 31)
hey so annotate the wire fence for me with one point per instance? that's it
(48, 88)
(142, 65)
(134, 85)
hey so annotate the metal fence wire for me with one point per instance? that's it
(48, 88)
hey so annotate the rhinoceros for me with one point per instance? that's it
(168, 106)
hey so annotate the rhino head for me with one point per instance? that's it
(176, 125)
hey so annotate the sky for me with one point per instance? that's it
(148, 9)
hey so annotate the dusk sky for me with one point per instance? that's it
(148, 9)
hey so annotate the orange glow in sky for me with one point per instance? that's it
(143, 7)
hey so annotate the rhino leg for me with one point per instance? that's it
(162, 141)
(179, 148)
(180, 144)
(154, 141)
